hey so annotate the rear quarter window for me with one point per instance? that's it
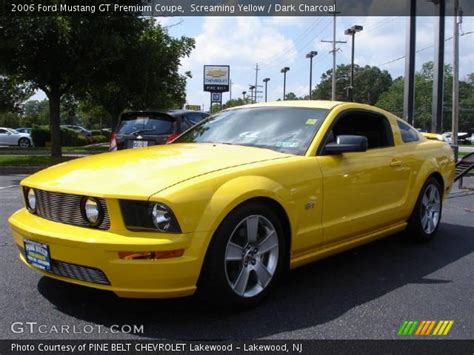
(407, 133)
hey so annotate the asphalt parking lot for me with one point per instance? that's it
(365, 293)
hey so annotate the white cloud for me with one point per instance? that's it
(240, 42)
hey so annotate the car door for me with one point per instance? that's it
(5, 136)
(362, 191)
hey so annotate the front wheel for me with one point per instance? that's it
(246, 257)
(426, 216)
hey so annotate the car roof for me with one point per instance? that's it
(169, 112)
(324, 104)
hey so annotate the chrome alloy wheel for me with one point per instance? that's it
(24, 143)
(430, 209)
(251, 256)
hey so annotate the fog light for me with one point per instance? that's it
(92, 211)
(31, 200)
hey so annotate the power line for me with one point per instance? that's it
(422, 49)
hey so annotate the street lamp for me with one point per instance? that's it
(351, 32)
(243, 95)
(253, 92)
(284, 70)
(266, 80)
(310, 55)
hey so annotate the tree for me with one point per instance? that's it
(292, 96)
(369, 84)
(236, 102)
(35, 113)
(61, 54)
(12, 94)
(146, 78)
(392, 100)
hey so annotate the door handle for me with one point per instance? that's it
(395, 163)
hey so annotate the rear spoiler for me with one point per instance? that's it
(433, 136)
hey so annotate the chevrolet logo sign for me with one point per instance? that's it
(216, 73)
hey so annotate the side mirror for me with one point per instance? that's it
(346, 144)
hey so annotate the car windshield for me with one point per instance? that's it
(284, 129)
(145, 124)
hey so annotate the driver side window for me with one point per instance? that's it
(376, 128)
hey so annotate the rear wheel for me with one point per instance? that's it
(24, 143)
(426, 216)
(246, 257)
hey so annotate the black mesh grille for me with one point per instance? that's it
(73, 271)
(78, 272)
(66, 208)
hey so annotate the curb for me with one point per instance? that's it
(11, 170)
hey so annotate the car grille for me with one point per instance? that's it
(73, 271)
(65, 208)
(78, 272)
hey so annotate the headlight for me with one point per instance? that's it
(141, 215)
(30, 199)
(162, 217)
(92, 211)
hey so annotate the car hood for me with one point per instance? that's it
(138, 173)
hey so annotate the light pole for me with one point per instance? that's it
(310, 55)
(351, 32)
(284, 70)
(243, 95)
(266, 80)
(253, 90)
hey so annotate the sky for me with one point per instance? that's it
(277, 42)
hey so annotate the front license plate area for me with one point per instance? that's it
(140, 144)
(37, 254)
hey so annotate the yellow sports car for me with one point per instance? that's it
(234, 201)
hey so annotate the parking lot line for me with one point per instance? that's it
(8, 187)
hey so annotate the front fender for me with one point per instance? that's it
(238, 190)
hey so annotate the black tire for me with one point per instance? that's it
(418, 228)
(24, 143)
(218, 273)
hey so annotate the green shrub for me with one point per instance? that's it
(100, 139)
(40, 136)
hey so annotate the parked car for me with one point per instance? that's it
(9, 136)
(24, 130)
(145, 128)
(235, 201)
(463, 137)
(78, 129)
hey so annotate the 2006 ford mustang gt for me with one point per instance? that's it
(234, 201)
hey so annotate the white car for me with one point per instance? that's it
(463, 137)
(9, 136)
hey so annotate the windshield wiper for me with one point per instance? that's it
(140, 131)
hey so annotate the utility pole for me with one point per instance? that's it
(230, 89)
(333, 51)
(455, 110)
(438, 68)
(409, 79)
(256, 82)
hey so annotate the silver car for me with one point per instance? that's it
(9, 136)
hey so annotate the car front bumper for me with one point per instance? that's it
(77, 251)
